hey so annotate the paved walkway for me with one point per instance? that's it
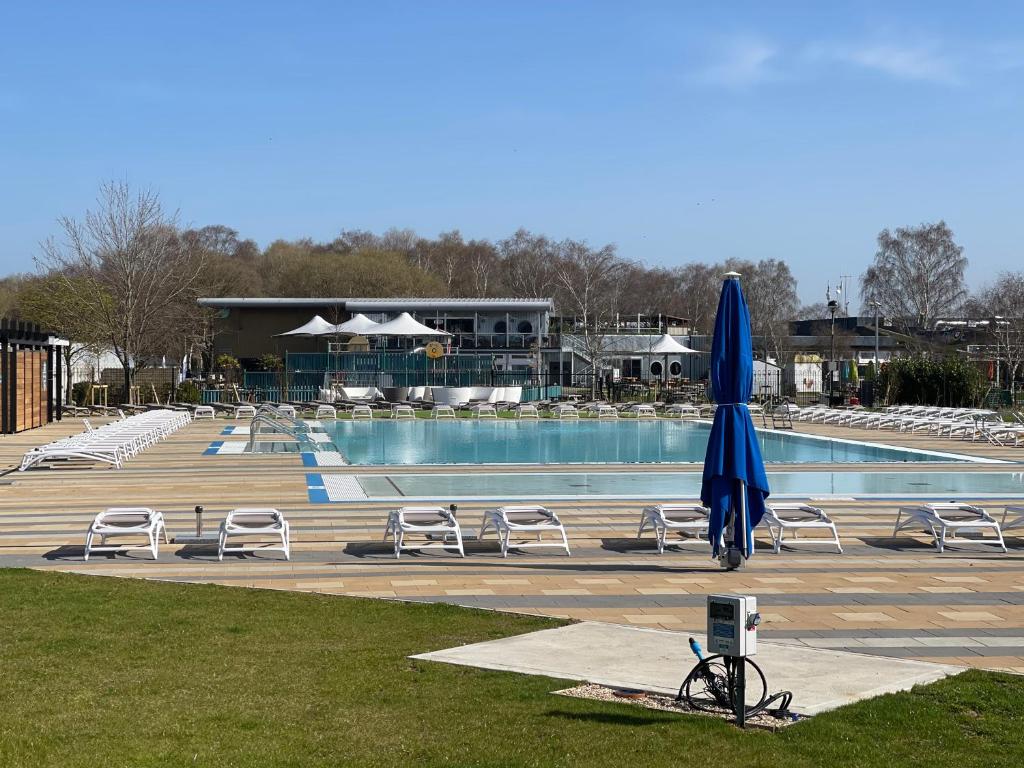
(884, 596)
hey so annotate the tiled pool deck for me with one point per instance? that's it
(884, 596)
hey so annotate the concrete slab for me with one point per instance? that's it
(657, 660)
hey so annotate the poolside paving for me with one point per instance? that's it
(885, 597)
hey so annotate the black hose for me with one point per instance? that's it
(718, 675)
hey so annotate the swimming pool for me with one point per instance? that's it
(583, 486)
(505, 441)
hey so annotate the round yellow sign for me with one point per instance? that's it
(434, 350)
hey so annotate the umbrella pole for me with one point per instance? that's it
(732, 556)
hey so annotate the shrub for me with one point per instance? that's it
(188, 392)
(919, 380)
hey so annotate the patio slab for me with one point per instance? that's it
(657, 660)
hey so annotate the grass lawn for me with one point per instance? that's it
(117, 672)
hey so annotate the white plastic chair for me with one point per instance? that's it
(126, 521)
(424, 521)
(947, 519)
(204, 412)
(326, 412)
(483, 411)
(684, 518)
(443, 412)
(525, 519)
(526, 411)
(362, 412)
(780, 518)
(402, 412)
(254, 521)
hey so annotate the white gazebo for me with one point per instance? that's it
(406, 325)
(315, 327)
(358, 325)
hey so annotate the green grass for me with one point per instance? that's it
(117, 672)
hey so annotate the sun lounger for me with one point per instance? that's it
(564, 411)
(605, 412)
(684, 518)
(245, 411)
(526, 411)
(325, 412)
(683, 411)
(254, 521)
(1013, 517)
(946, 520)
(126, 521)
(793, 518)
(424, 521)
(402, 411)
(532, 520)
(443, 412)
(643, 411)
(361, 412)
(483, 411)
(204, 412)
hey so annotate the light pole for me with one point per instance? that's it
(833, 305)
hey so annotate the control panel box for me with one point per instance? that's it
(732, 625)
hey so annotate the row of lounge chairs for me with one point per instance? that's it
(112, 443)
(962, 423)
(525, 526)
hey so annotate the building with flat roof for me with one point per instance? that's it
(509, 329)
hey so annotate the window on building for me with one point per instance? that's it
(500, 326)
(525, 326)
(657, 368)
(675, 368)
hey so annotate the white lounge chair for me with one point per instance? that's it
(536, 520)
(684, 518)
(683, 411)
(443, 412)
(605, 412)
(254, 521)
(245, 411)
(780, 518)
(204, 412)
(126, 521)
(362, 412)
(287, 410)
(483, 411)
(526, 411)
(947, 519)
(644, 411)
(564, 411)
(424, 521)
(325, 412)
(1013, 517)
(399, 411)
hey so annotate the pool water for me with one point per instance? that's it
(506, 441)
(677, 485)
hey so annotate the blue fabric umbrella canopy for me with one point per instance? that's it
(734, 476)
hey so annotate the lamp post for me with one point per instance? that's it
(833, 305)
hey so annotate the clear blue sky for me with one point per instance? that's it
(677, 131)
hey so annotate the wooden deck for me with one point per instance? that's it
(884, 596)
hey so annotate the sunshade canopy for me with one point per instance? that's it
(666, 345)
(315, 327)
(405, 325)
(733, 464)
(359, 325)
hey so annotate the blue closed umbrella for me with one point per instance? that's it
(734, 477)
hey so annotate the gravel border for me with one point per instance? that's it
(665, 703)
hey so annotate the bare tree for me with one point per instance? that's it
(699, 287)
(917, 275)
(129, 271)
(1002, 304)
(527, 264)
(588, 283)
(770, 290)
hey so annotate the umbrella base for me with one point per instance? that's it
(731, 559)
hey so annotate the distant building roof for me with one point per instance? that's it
(389, 304)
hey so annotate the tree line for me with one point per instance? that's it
(126, 277)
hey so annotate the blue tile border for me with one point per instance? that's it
(315, 487)
(214, 447)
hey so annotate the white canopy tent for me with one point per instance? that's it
(666, 345)
(315, 327)
(359, 325)
(405, 325)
